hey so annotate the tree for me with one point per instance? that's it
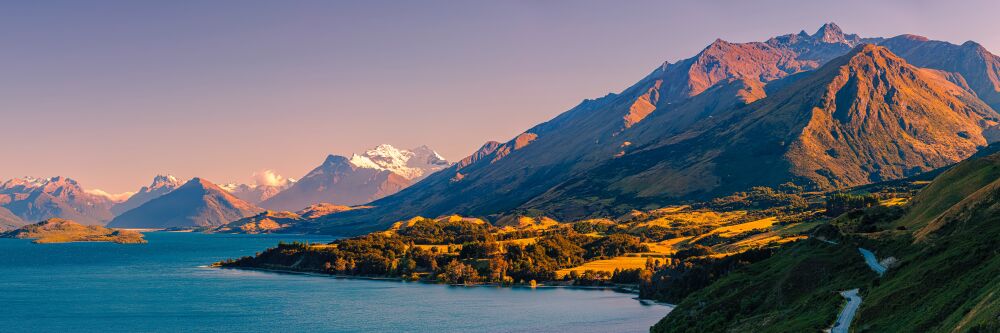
(340, 265)
(457, 272)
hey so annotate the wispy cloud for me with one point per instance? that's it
(269, 177)
(113, 197)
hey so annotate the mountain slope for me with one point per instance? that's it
(979, 68)
(57, 230)
(196, 203)
(36, 199)
(361, 178)
(865, 117)
(162, 184)
(503, 176)
(734, 116)
(947, 278)
(9, 221)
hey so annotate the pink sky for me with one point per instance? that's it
(112, 93)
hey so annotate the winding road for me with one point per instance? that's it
(873, 262)
(843, 323)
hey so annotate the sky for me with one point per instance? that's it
(111, 93)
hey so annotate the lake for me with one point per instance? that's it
(165, 286)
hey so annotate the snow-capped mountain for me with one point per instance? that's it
(411, 164)
(35, 199)
(162, 184)
(364, 177)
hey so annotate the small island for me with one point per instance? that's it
(56, 230)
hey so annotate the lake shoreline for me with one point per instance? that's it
(621, 289)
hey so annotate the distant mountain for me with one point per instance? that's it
(9, 221)
(735, 115)
(162, 184)
(196, 203)
(255, 194)
(378, 172)
(36, 199)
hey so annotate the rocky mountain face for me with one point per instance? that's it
(733, 116)
(865, 117)
(979, 69)
(162, 184)
(197, 203)
(9, 221)
(361, 178)
(37, 199)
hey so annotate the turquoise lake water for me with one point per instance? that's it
(164, 286)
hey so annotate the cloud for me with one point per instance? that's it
(113, 197)
(269, 178)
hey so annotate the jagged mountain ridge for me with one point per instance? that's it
(502, 176)
(865, 117)
(37, 199)
(672, 103)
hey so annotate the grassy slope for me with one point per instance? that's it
(951, 280)
(947, 281)
(57, 230)
(949, 188)
(793, 291)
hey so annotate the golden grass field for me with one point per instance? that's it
(668, 246)
(679, 217)
(520, 241)
(606, 265)
(894, 202)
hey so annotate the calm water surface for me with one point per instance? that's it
(163, 286)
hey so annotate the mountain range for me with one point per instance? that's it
(37, 199)
(196, 203)
(359, 179)
(825, 110)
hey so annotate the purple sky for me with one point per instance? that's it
(111, 93)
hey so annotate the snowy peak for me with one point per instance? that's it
(411, 164)
(361, 178)
(161, 181)
(830, 33)
(33, 182)
(34, 199)
(162, 184)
